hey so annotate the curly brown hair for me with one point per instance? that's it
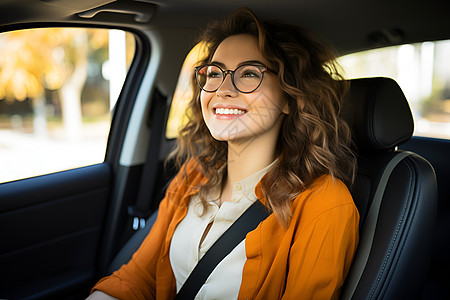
(313, 140)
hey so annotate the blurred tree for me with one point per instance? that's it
(32, 61)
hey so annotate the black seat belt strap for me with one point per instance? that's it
(140, 210)
(247, 222)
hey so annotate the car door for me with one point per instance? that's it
(63, 120)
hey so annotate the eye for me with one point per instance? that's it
(249, 72)
(214, 74)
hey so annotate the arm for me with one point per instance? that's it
(137, 278)
(321, 254)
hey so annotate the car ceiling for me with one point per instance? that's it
(351, 25)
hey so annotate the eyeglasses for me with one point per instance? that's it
(245, 78)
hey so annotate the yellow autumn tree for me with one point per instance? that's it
(32, 61)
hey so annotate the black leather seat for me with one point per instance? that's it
(399, 250)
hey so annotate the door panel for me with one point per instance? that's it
(50, 231)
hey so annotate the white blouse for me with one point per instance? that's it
(185, 249)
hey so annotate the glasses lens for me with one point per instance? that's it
(247, 78)
(209, 78)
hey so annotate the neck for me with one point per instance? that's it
(243, 161)
(247, 158)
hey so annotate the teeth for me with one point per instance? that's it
(228, 111)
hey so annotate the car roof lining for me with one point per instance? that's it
(351, 25)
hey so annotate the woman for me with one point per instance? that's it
(264, 126)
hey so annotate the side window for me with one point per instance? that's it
(183, 92)
(57, 89)
(423, 72)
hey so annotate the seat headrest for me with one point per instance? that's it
(378, 114)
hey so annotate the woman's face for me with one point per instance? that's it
(233, 116)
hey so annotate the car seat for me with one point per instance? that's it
(395, 238)
(392, 259)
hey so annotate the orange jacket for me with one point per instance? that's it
(309, 260)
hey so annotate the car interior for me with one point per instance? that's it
(62, 231)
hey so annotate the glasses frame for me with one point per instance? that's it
(261, 68)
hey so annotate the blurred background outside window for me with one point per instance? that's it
(58, 87)
(423, 72)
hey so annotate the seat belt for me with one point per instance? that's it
(140, 210)
(247, 222)
(368, 231)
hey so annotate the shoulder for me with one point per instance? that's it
(187, 181)
(326, 196)
(326, 186)
(189, 173)
(326, 192)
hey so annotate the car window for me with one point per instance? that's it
(58, 87)
(423, 72)
(183, 92)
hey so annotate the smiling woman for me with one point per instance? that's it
(263, 90)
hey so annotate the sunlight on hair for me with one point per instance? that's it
(183, 91)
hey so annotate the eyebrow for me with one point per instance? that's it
(222, 65)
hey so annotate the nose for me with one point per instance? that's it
(227, 88)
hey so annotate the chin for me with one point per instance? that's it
(220, 138)
(240, 140)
